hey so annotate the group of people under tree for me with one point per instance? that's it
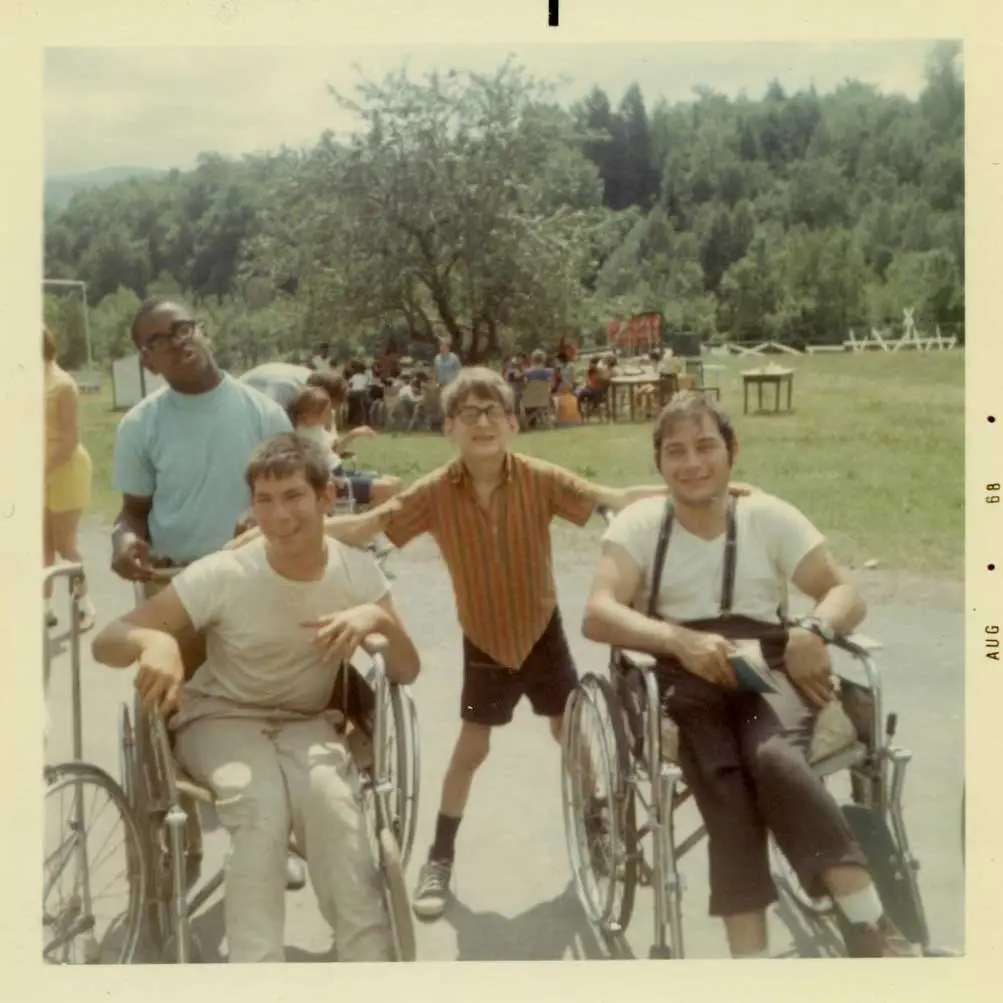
(240, 648)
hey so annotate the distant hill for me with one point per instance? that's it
(60, 188)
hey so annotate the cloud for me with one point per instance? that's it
(161, 107)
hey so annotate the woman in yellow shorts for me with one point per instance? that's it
(67, 473)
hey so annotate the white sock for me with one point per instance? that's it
(764, 954)
(861, 907)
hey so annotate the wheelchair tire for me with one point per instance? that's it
(405, 717)
(395, 895)
(610, 913)
(150, 801)
(127, 933)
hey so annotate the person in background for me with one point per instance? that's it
(321, 360)
(446, 365)
(591, 392)
(538, 369)
(359, 382)
(68, 474)
(312, 416)
(564, 377)
(515, 376)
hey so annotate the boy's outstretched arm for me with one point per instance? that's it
(619, 498)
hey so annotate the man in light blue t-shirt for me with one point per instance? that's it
(180, 454)
(446, 364)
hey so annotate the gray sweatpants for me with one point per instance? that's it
(270, 779)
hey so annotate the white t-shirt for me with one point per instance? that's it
(772, 539)
(359, 381)
(259, 658)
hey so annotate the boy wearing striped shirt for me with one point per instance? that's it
(490, 512)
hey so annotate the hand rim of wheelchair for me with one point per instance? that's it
(621, 837)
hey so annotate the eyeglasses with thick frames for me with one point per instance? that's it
(470, 414)
(178, 333)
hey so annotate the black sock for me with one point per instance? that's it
(445, 838)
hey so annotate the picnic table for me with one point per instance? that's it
(758, 378)
(665, 385)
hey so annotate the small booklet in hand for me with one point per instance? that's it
(751, 669)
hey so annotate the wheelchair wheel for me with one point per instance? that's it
(599, 809)
(399, 798)
(385, 848)
(151, 803)
(395, 895)
(92, 842)
(378, 414)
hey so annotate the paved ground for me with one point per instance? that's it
(514, 900)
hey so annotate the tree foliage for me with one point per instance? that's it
(474, 206)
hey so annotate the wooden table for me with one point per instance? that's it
(665, 386)
(760, 377)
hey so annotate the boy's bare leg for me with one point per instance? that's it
(747, 934)
(471, 750)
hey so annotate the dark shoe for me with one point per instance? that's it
(295, 874)
(878, 940)
(432, 890)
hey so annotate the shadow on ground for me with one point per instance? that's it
(550, 931)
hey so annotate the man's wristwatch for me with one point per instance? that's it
(818, 626)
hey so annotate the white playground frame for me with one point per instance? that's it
(910, 338)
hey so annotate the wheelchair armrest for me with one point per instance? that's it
(859, 645)
(636, 659)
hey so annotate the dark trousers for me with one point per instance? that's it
(745, 757)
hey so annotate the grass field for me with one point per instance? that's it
(873, 453)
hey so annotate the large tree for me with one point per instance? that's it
(464, 207)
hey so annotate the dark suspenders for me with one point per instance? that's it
(730, 554)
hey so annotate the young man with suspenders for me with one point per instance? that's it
(716, 570)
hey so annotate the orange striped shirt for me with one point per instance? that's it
(499, 557)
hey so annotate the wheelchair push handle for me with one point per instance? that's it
(72, 572)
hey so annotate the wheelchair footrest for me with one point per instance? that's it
(888, 871)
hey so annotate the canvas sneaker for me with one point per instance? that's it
(432, 890)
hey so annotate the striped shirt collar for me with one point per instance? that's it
(459, 474)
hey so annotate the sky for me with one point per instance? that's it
(160, 108)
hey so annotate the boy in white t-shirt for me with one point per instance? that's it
(743, 755)
(280, 616)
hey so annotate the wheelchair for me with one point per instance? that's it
(84, 810)
(616, 722)
(164, 801)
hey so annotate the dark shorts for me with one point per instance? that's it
(547, 678)
(362, 488)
